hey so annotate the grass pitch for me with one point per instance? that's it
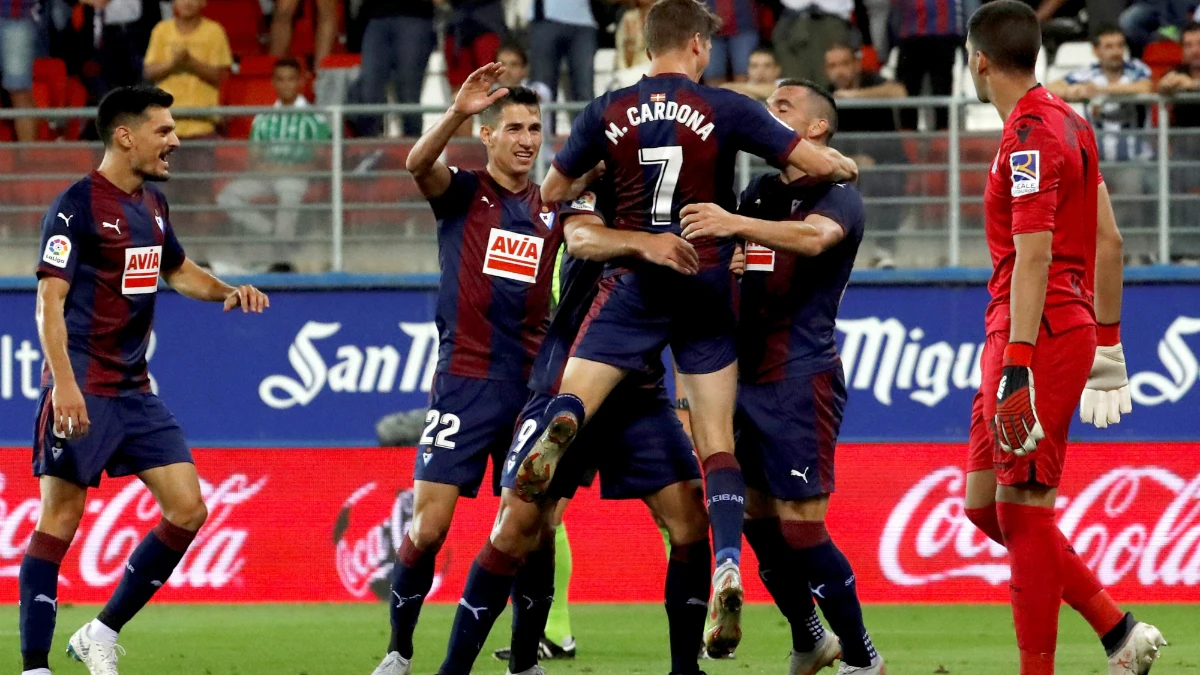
(613, 640)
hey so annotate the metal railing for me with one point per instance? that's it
(361, 211)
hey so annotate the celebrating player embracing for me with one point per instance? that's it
(1057, 260)
(106, 241)
(667, 142)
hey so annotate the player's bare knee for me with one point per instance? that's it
(61, 518)
(981, 489)
(428, 532)
(760, 505)
(810, 510)
(189, 514)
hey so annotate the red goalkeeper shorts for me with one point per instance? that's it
(1061, 364)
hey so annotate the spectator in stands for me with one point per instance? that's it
(515, 60)
(473, 37)
(284, 17)
(1185, 78)
(805, 30)
(188, 56)
(848, 80)
(734, 41)
(123, 40)
(929, 35)
(397, 42)
(1116, 124)
(631, 61)
(763, 75)
(1142, 21)
(18, 36)
(281, 146)
(1111, 75)
(563, 30)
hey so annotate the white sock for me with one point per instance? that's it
(37, 671)
(98, 631)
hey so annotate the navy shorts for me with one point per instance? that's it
(129, 434)
(635, 442)
(787, 432)
(469, 420)
(637, 314)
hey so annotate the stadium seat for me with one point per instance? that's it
(870, 58)
(1162, 56)
(256, 65)
(242, 90)
(242, 20)
(334, 61)
(1073, 55)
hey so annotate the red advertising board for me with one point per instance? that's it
(321, 525)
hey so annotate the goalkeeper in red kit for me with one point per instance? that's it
(1054, 319)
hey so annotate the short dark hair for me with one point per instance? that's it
(288, 62)
(123, 105)
(1190, 27)
(763, 49)
(826, 105)
(1008, 33)
(515, 49)
(515, 96)
(842, 45)
(1107, 29)
(671, 23)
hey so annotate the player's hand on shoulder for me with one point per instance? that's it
(707, 220)
(669, 250)
(1106, 395)
(249, 298)
(70, 411)
(476, 93)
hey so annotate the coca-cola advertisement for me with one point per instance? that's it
(323, 525)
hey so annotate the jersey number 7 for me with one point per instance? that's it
(670, 162)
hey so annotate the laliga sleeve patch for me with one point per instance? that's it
(585, 202)
(58, 251)
(1026, 175)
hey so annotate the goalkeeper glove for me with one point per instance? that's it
(1017, 427)
(1106, 395)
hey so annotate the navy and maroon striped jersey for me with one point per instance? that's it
(496, 249)
(916, 18)
(580, 283)
(111, 247)
(668, 142)
(790, 302)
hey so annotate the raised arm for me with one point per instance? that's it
(70, 410)
(823, 163)
(192, 281)
(433, 176)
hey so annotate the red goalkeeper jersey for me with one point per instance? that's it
(1045, 177)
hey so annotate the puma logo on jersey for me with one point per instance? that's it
(759, 258)
(487, 201)
(512, 255)
(803, 475)
(66, 219)
(116, 226)
(141, 270)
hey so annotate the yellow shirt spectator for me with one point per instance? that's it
(206, 44)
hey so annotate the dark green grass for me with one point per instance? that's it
(613, 640)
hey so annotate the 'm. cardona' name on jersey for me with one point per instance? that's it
(659, 111)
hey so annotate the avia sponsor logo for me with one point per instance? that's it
(141, 270)
(1131, 524)
(885, 355)
(113, 528)
(366, 546)
(759, 258)
(372, 369)
(513, 256)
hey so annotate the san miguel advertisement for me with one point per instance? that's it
(323, 525)
(320, 368)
